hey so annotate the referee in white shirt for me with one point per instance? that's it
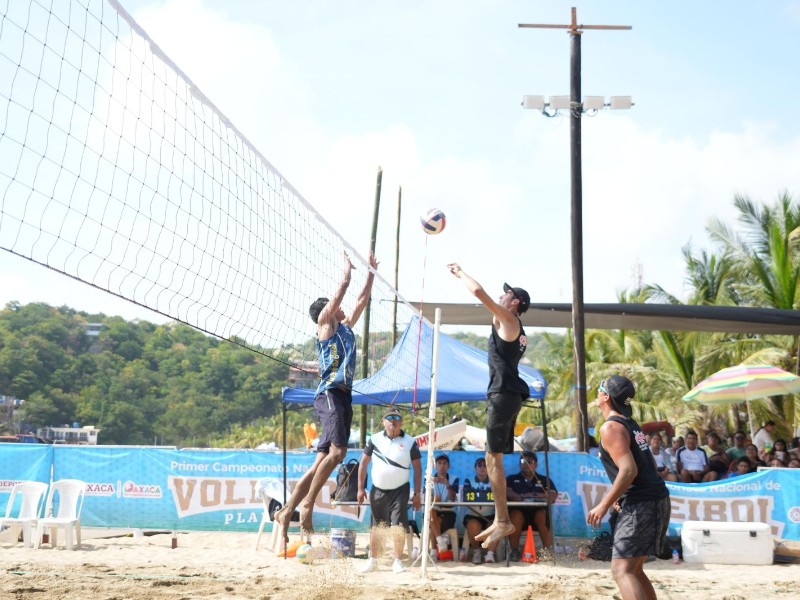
(395, 452)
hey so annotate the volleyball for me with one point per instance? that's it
(305, 554)
(433, 221)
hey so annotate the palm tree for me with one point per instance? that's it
(767, 254)
(767, 269)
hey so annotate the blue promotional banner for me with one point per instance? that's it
(216, 490)
(23, 462)
(187, 490)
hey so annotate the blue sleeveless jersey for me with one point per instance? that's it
(337, 359)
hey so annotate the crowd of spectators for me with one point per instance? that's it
(685, 460)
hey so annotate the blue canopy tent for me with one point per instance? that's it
(463, 373)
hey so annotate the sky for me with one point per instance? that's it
(430, 91)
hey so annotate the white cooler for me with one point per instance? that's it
(727, 543)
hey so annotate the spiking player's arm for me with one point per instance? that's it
(505, 321)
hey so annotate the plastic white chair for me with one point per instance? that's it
(71, 493)
(31, 496)
(268, 490)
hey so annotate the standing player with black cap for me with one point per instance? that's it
(506, 391)
(637, 492)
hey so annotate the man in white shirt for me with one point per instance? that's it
(764, 438)
(395, 453)
(693, 462)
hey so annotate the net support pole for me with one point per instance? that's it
(426, 519)
(368, 308)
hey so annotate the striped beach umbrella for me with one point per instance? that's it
(743, 383)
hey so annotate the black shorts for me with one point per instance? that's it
(529, 514)
(502, 409)
(448, 519)
(484, 521)
(641, 528)
(390, 507)
(335, 413)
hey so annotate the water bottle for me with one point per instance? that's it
(676, 557)
(460, 492)
(414, 553)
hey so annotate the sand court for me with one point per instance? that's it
(224, 565)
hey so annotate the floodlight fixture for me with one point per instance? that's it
(560, 102)
(533, 102)
(594, 103)
(620, 102)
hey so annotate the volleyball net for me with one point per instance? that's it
(117, 171)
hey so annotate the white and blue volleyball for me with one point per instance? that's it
(433, 221)
(305, 554)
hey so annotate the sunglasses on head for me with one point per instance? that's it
(528, 461)
(394, 418)
(602, 387)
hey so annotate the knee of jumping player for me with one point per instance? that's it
(337, 453)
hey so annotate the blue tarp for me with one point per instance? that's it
(463, 373)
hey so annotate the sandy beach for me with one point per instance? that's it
(225, 565)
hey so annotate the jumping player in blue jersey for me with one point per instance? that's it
(336, 346)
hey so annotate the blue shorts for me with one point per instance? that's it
(335, 413)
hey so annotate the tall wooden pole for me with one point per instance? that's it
(576, 206)
(396, 266)
(576, 223)
(365, 339)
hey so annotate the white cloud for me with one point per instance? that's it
(646, 192)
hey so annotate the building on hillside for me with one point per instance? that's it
(304, 374)
(81, 436)
(93, 329)
(10, 402)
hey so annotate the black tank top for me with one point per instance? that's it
(647, 485)
(503, 364)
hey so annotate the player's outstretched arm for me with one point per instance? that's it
(507, 323)
(363, 297)
(327, 323)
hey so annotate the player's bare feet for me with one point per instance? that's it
(307, 516)
(283, 517)
(494, 533)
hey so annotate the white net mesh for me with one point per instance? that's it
(117, 171)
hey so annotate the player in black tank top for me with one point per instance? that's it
(637, 491)
(648, 484)
(504, 360)
(506, 390)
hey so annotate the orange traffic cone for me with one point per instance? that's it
(529, 556)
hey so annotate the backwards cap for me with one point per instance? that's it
(621, 391)
(521, 295)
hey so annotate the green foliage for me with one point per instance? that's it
(136, 381)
